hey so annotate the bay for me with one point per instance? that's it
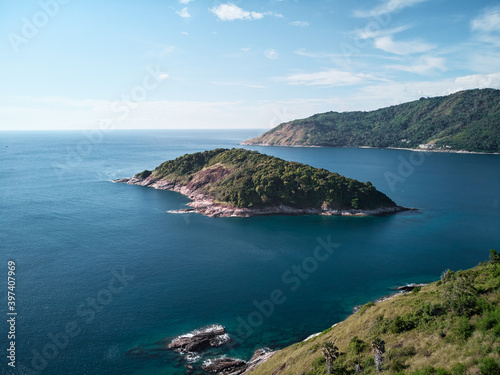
(71, 232)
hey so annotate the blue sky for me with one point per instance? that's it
(67, 64)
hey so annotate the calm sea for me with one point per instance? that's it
(103, 268)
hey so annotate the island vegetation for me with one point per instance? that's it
(449, 327)
(248, 179)
(467, 120)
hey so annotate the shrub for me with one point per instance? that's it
(318, 367)
(459, 369)
(403, 323)
(404, 352)
(144, 174)
(462, 330)
(490, 320)
(459, 293)
(488, 366)
(494, 257)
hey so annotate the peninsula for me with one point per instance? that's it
(243, 183)
(464, 121)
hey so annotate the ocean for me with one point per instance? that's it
(102, 268)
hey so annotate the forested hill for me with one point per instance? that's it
(248, 179)
(467, 120)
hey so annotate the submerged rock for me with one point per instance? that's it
(200, 339)
(225, 366)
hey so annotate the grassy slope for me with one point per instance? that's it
(468, 120)
(243, 178)
(441, 341)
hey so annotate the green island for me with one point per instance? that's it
(465, 121)
(238, 182)
(449, 327)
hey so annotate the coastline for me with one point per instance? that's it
(378, 148)
(203, 204)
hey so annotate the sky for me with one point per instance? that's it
(200, 64)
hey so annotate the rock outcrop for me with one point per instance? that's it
(200, 339)
(203, 204)
(224, 366)
(236, 366)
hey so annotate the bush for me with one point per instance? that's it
(404, 352)
(494, 257)
(318, 367)
(459, 369)
(319, 362)
(490, 321)
(462, 330)
(458, 293)
(144, 174)
(398, 365)
(488, 366)
(403, 323)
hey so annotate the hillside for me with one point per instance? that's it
(449, 327)
(467, 120)
(239, 182)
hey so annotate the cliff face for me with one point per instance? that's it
(245, 183)
(468, 120)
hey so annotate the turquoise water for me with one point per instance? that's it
(71, 231)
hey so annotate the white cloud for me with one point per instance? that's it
(184, 13)
(299, 23)
(387, 44)
(387, 7)
(424, 65)
(372, 34)
(278, 15)
(163, 76)
(384, 40)
(184, 33)
(231, 12)
(480, 80)
(400, 92)
(63, 113)
(185, 1)
(246, 49)
(271, 54)
(330, 77)
(489, 21)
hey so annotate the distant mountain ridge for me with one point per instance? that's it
(467, 120)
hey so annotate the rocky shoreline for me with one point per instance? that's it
(203, 204)
(196, 348)
(450, 151)
(204, 349)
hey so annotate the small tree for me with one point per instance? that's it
(458, 293)
(356, 347)
(494, 257)
(378, 347)
(331, 353)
